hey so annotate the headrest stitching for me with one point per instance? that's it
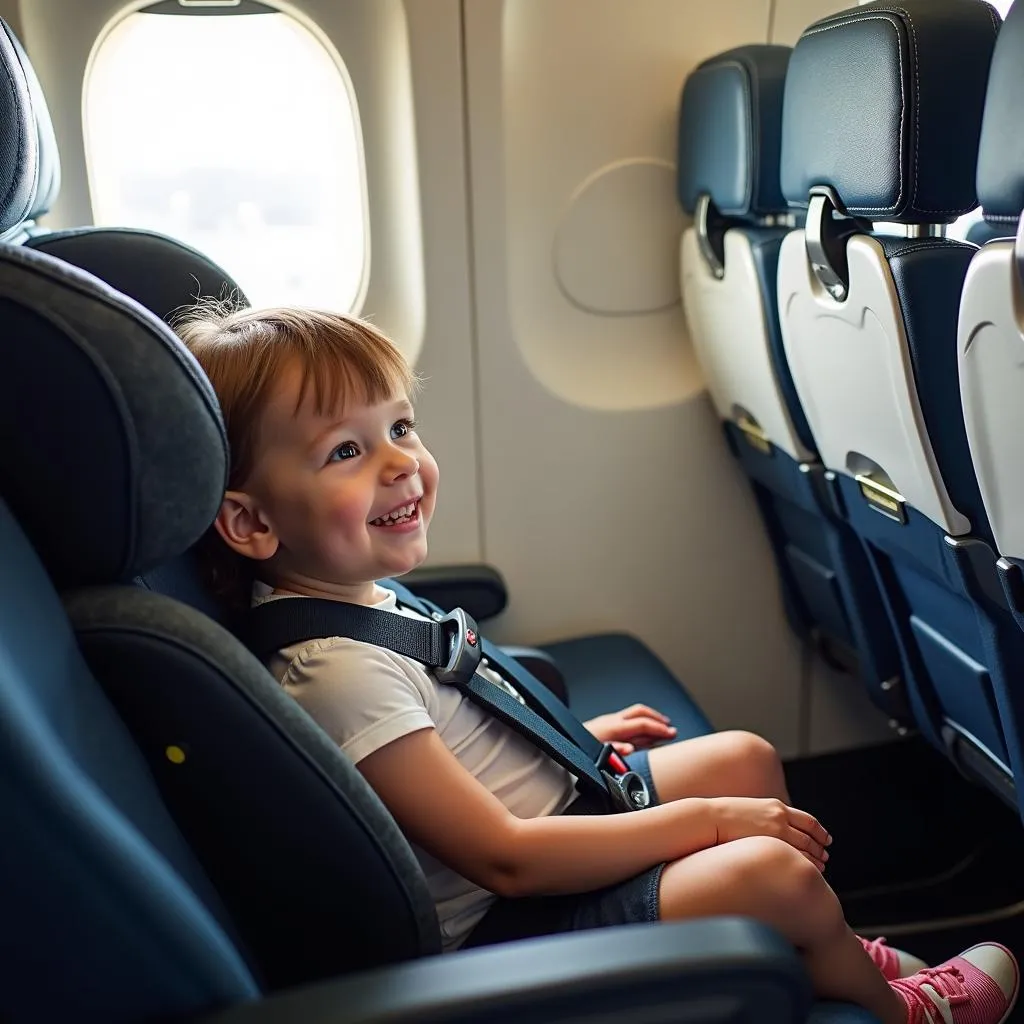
(934, 243)
(917, 113)
(22, 136)
(852, 19)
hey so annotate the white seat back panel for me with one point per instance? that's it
(727, 324)
(851, 366)
(990, 347)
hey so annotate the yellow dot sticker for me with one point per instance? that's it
(175, 755)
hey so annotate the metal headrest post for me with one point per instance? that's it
(710, 226)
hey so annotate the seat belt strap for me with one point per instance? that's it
(536, 694)
(451, 647)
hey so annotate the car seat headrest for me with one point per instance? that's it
(48, 157)
(730, 126)
(883, 106)
(157, 271)
(1001, 152)
(19, 144)
(114, 456)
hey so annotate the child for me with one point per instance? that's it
(330, 490)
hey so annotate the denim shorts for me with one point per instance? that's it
(633, 901)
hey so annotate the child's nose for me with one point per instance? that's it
(400, 465)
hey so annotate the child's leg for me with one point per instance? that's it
(723, 764)
(769, 880)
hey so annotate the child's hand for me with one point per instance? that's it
(740, 817)
(632, 729)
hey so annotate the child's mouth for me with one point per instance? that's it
(405, 515)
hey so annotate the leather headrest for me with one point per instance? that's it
(114, 456)
(1001, 153)
(48, 157)
(883, 104)
(19, 146)
(730, 126)
(158, 271)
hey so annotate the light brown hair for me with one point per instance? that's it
(244, 352)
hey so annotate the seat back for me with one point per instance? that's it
(989, 331)
(315, 878)
(730, 127)
(869, 329)
(730, 122)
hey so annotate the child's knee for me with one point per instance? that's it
(782, 873)
(759, 759)
(754, 749)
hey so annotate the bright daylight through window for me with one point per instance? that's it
(237, 134)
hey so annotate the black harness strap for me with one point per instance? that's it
(452, 647)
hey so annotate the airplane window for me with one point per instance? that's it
(237, 132)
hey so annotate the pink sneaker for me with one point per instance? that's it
(893, 963)
(977, 987)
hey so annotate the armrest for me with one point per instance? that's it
(479, 589)
(543, 666)
(713, 971)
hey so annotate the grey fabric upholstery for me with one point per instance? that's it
(883, 104)
(125, 387)
(47, 156)
(279, 818)
(157, 271)
(19, 144)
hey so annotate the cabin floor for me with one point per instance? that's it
(919, 854)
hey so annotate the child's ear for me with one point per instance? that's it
(243, 528)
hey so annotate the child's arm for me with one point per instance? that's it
(441, 807)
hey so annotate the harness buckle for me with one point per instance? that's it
(463, 650)
(627, 789)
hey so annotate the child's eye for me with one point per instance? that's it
(401, 428)
(348, 450)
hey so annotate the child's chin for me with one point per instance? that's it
(408, 564)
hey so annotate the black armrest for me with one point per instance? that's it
(479, 589)
(713, 971)
(543, 666)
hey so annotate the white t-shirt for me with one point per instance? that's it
(365, 697)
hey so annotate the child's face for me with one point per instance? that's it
(348, 495)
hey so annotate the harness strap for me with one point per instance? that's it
(452, 648)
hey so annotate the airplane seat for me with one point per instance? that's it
(982, 232)
(989, 332)
(19, 142)
(730, 125)
(869, 327)
(180, 836)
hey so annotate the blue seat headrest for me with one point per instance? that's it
(1001, 152)
(730, 124)
(19, 144)
(48, 157)
(160, 272)
(883, 104)
(114, 457)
